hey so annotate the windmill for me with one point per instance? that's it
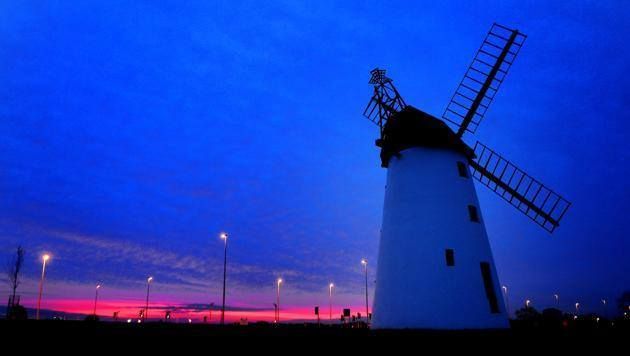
(435, 267)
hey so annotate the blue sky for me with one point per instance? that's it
(134, 132)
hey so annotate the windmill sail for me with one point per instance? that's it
(483, 78)
(385, 101)
(525, 193)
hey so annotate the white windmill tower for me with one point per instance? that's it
(435, 267)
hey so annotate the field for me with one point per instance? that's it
(197, 334)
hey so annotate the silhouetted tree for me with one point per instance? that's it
(623, 302)
(552, 317)
(552, 314)
(13, 271)
(527, 314)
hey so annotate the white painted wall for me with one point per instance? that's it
(425, 213)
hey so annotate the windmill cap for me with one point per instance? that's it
(411, 127)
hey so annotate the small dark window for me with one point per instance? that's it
(489, 287)
(463, 170)
(450, 257)
(474, 215)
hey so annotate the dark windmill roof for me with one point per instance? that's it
(411, 127)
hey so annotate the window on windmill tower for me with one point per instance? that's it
(463, 170)
(486, 275)
(450, 257)
(472, 212)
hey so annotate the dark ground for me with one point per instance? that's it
(159, 335)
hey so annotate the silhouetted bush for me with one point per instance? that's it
(92, 318)
(528, 314)
(554, 318)
(17, 312)
(623, 303)
(552, 315)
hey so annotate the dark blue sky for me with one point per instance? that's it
(134, 133)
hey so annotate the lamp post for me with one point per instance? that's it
(45, 259)
(507, 301)
(527, 303)
(224, 237)
(330, 289)
(364, 262)
(577, 309)
(98, 286)
(278, 282)
(146, 309)
(557, 300)
(604, 314)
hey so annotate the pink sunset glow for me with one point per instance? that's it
(157, 309)
(252, 304)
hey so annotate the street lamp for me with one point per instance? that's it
(605, 307)
(364, 262)
(330, 289)
(507, 301)
(278, 282)
(224, 237)
(146, 309)
(98, 286)
(557, 300)
(45, 259)
(577, 309)
(527, 303)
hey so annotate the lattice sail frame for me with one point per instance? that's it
(483, 78)
(526, 194)
(466, 111)
(385, 101)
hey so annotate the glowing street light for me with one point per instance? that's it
(577, 309)
(98, 286)
(146, 309)
(278, 282)
(507, 301)
(224, 237)
(605, 307)
(364, 262)
(557, 297)
(527, 303)
(45, 259)
(330, 289)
